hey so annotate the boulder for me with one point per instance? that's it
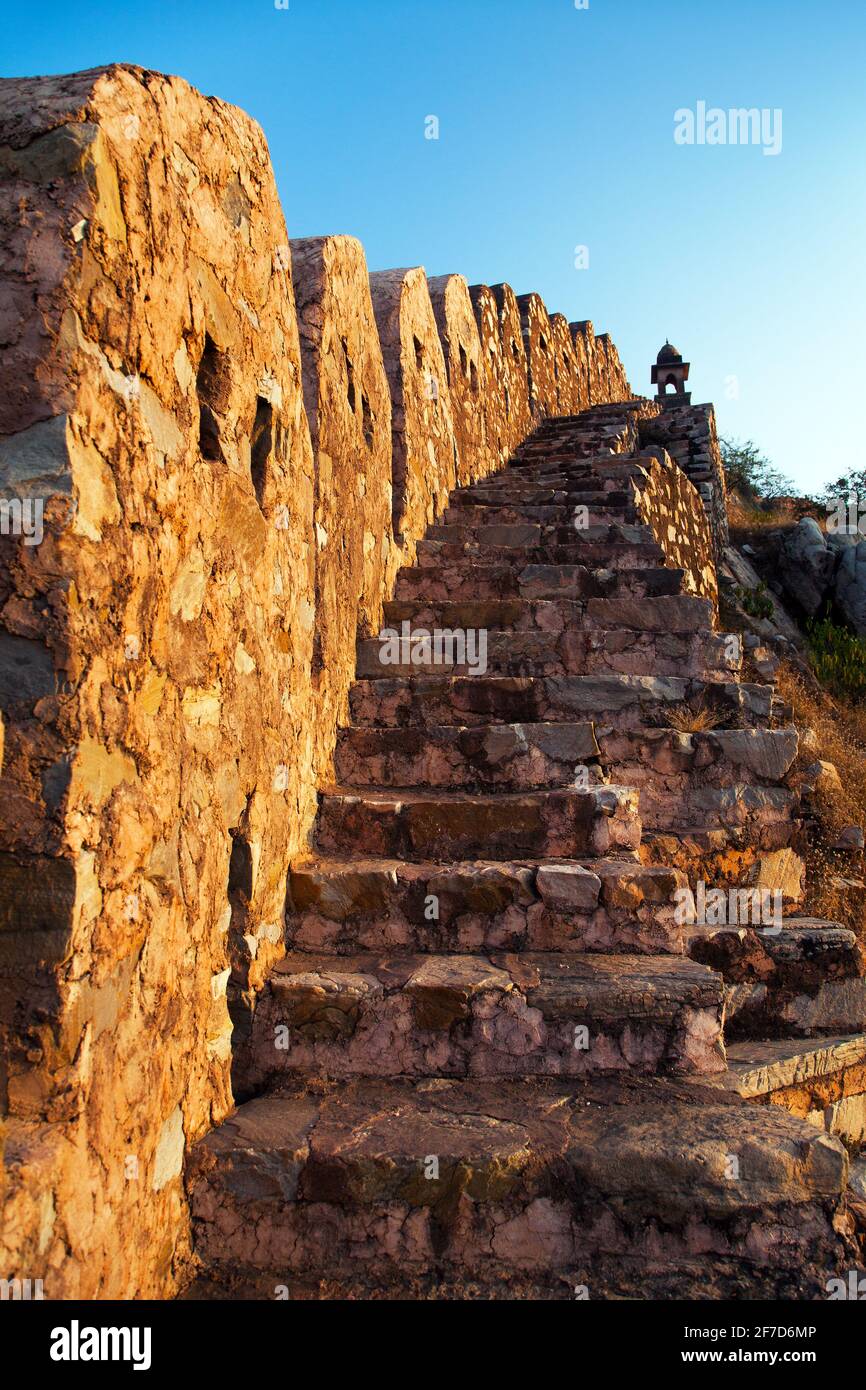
(850, 589)
(806, 565)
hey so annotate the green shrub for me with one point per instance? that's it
(839, 658)
(756, 602)
(849, 485)
(747, 470)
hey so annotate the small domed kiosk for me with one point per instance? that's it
(671, 370)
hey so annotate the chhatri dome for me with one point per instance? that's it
(671, 370)
(669, 354)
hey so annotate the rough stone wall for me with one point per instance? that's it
(540, 356)
(568, 372)
(348, 407)
(424, 446)
(671, 506)
(174, 654)
(615, 382)
(689, 435)
(515, 366)
(583, 366)
(156, 648)
(595, 370)
(477, 452)
(494, 372)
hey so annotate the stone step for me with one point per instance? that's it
(456, 583)
(600, 508)
(507, 757)
(516, 756)
(611, 1278)
(800, 979)
(350, 905)
(714, 757)
(533, 1014)
(616, 548)
(754, 812)
(562, 823)
(474, 1179)
(719, 855)
(551, 537)
(627, 701)
(822, 1080)
(439, 649)
(506, 489)
(675, 614)
(725, 777)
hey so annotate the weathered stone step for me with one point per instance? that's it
(536, 1014)
(562, 823)
(514, 491)
(350, 905)
(716, 854)
(503, 756)
(755, 812)
(719, 757)
(822, 1081)
(454, 583)
(431, 645)
(678, 613)
(627, 701)
(611, 1278)
(549, 754)
(801, 980)
(600, 508)
(614, 551)
(551, 537)
(526, 476)
(476, 1178)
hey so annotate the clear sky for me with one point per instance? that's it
(556, 130)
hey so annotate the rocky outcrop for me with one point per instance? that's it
(816, 568)
(850, 586)
(806, 565)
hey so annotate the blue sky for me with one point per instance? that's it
(556, 131)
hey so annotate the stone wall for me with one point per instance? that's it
(584, 335)
(540, 356)
(156, 649)
(423, 440)
(670, 505)
(495, 373)
(348, 405)
(515, 367)
(569, 380)
(615, 385)
(477, 453)
(688, 433)
(238, 443)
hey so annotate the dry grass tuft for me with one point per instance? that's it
(687, 720)
(840, 729)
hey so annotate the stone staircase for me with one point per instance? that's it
(492, 1063)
